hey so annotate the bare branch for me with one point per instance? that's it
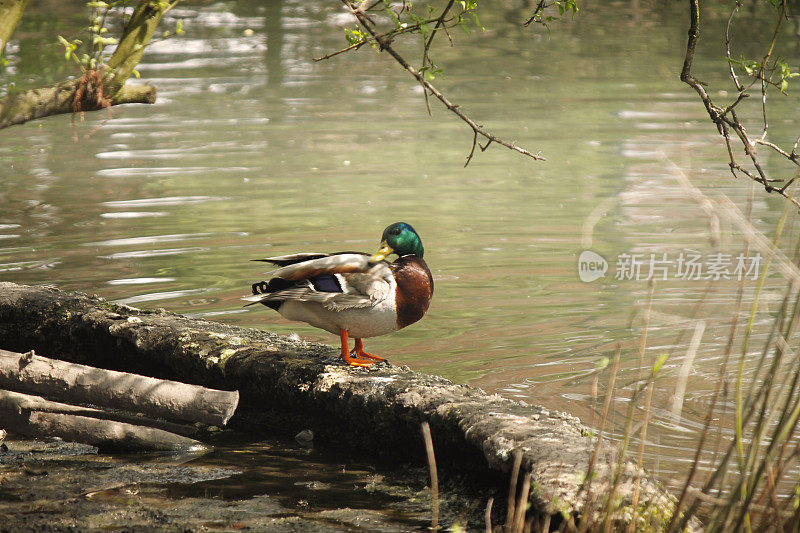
(385, 45)
(726, 119)
(355, 46)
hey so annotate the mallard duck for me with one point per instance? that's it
(352, 294)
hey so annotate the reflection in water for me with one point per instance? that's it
(273, 28)
(253, 149)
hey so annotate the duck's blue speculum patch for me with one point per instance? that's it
(326, 283)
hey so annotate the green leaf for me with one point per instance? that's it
(660, 362)
(784, 85)
(353, 36)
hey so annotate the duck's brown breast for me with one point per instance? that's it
(414, 289)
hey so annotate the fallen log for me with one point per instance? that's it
(38, 403)
(33, 416)
(81, 384)
(289, 386)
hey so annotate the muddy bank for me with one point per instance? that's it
(289, 386)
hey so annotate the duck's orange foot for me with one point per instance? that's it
(345, 355)
(359, 352)
(356, 361)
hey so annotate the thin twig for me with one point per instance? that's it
(370, 40)
(426, 60)
(728, 49)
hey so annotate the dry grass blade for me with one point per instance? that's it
(518, 524)
(426, 434)
(487, 515)
(512, 487)
(686, 368)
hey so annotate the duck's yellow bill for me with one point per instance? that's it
(383, 251)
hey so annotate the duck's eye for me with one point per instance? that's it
(394, 231)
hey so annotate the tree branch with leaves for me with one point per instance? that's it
(764, 75)
(102, 81)
(402, 20)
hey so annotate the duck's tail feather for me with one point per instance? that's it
(283, 260)
(262, 290)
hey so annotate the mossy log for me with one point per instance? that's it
(288, 385)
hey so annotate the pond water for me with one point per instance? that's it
(253, 149)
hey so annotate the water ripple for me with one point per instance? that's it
(134, 214)
(164, 171)
(154, 296)
(157, 202)
(153, 253)
(28, 265)
(134, 281)
(154, 239)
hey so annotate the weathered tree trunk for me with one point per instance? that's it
(36, 417)
(10, 15)
(83, 384)
(60, 98)
(291, 386)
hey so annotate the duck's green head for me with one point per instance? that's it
(401, 239)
